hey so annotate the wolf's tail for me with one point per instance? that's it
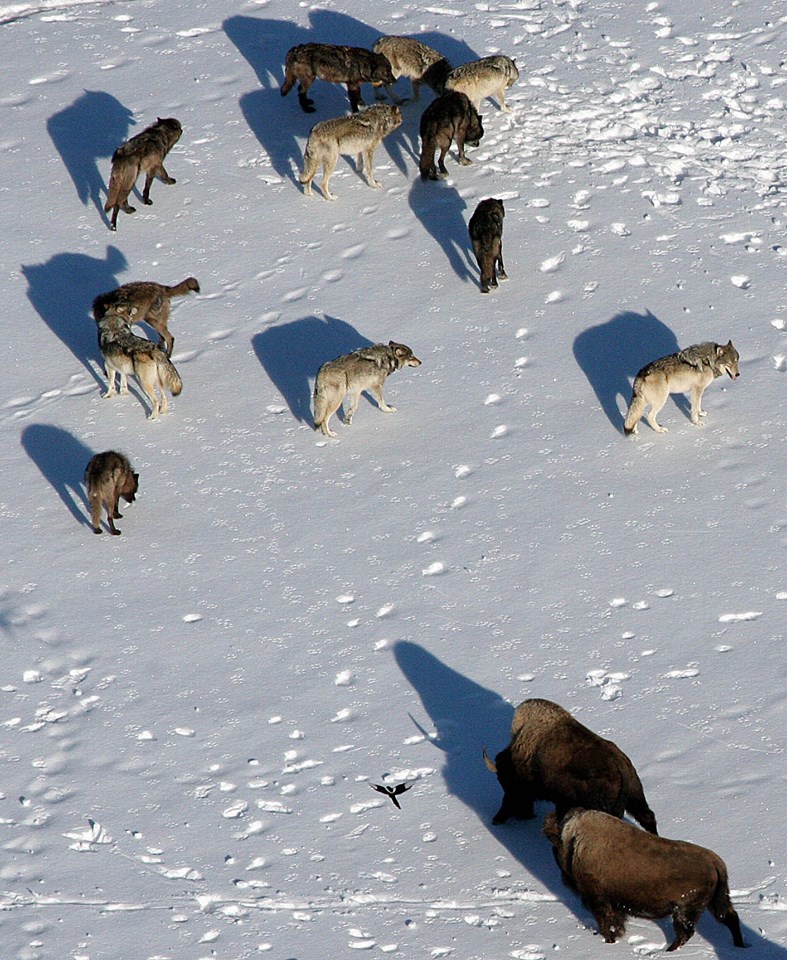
(320, 407)
(168, 374)
(182, 288)
(121, 181)
(635, 410)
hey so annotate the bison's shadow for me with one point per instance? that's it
(466, 718)
(611, 354)
(62, 459)
(291, 354)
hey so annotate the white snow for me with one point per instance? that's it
(192, 713)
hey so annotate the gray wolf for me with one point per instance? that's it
(486, 235)
(689, 371)
(487, 77)
(108, 477)
(124, 354)
(415, 60)
(364, 369)
(552, 756)
(337, 64)
(360, 133)
(450, 117)
(619, 871)
(151, 300)
(143, 153)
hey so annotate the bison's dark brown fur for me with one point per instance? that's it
(554, 757)
(619, 871)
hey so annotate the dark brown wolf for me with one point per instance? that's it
(152, 302)
(124, 354)
(143, 153)
(108, 477)
(323, 61)
(450, 117)
(486, 234)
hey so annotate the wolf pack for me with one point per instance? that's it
(617, 869)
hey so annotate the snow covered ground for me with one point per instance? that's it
(192, 714)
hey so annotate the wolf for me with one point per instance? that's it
(337, 64)
(125, 353)
(360, 133)
(364, 369)
(108, 477)
(415, 60)
(690, 370)
(143, 153)
(486, 235)
(449, 117)
(487, 77)
(151, 300)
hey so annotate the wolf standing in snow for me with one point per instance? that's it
(360, 133)
(108, 477)
(486, 234)
(143, 153)
(689, 371)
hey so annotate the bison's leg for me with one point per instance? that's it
(733, 924)
(611, 923)
(684, 919)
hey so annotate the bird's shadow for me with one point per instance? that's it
(612, 353)
(62, 292)
(291, 354)
(88, 130)
(62, 459)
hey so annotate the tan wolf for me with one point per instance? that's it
(124, 354)
(151, 300)
(364, 369)
(486, 235)
(689, 371)
(360, 133)
(487, 77)
(415, 60)
(450, 117)
(337, 64)
(108, 477)
(143, 153)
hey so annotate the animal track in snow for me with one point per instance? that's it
(551, 264)
(740, 617)
(499, 431)
(352, 253)
(433, 569)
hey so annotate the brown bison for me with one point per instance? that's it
(619, 870)
(554, 757)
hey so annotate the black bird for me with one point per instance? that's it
(392, 792)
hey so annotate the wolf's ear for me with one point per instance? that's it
(135, 476)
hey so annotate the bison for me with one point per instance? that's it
(554, 757)
(619, 870)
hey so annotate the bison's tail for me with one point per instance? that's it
(721, 906)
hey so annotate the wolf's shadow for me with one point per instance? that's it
(278, 123)
(92, 128)
(62, 459)
(612, 353)
(439, 208)
(291, 354)
(62, 292)
(466, 718)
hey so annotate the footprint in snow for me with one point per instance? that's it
(352, 253)
(294, 295)
(221, 334)
(433, 569)
(739, 617)
(551, 264)
(499, 431)
(398, 233)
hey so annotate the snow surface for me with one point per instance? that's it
(192, 714)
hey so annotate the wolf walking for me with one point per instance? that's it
(360, 133)
(151, 301)
(364, 369)
(413, 59)
(486, 235)
(143, 153)
(124, 354)
(487, 77)
(337, 64)
(108, 477)
(690, 371)
(449, 118)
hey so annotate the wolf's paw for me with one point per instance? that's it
(107, 394)
(148, 202)
(465, 161)
(387, 409)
